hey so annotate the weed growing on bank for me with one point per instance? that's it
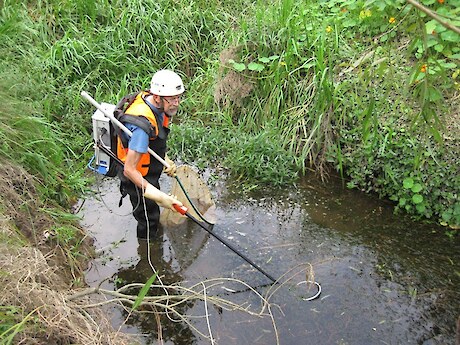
(287, 82)
(370, 88)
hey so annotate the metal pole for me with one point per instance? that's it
(223, 241)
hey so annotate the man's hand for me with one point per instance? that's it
(171, 171)
(162, 199)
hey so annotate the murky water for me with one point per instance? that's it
(384, 278)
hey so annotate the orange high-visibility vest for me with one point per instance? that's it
(140, 108)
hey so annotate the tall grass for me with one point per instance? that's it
(29, 137)
(294, 94)
(312, 84)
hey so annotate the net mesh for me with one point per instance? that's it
(198, 193)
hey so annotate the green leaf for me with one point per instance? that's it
(447, 215)
(434, 94)
(416, 188)
(447, 65)
(436, 134)
(240, 67)
(402, 201)
(420, 208)
(144, 291)
(417, 198)
(431, 42)
(430, 26)
(274, 57)
(439, 47)
(408, 183)
(349, 23)
(254, 66)
(450, 36)
(264, 59)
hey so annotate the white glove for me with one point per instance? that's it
(171, 171)
(162, 199)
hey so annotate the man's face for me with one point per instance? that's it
(171, 104)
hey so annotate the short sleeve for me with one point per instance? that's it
(139, 141)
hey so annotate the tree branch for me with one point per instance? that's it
(433, 15)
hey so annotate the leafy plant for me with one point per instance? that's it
(143, 292)
(413, 196)
(260, 159)
(258, 66)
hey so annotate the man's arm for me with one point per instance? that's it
(149, 191)
(130, 171)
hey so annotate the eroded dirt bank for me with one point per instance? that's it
(39, 271)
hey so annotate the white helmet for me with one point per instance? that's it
(166, 83)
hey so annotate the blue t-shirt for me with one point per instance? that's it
(139, 141)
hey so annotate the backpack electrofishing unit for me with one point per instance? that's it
(106, 135)
(105, 143)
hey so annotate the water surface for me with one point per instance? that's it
(385, 279)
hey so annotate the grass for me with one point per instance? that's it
(315, 83)
(273, 88)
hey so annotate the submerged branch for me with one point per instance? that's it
(169, 303)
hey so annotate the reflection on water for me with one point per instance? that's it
(385, 279)
(152, 259)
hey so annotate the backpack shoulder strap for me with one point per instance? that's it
(139, 121)
(123, 104)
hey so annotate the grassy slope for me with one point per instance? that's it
(320, 85)
(315, 99)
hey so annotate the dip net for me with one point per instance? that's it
(202, 207)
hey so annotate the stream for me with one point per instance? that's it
(384, 278)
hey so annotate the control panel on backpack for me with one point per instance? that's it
(101, 135)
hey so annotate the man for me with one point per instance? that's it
(148, 117)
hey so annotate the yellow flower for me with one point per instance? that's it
(391, 20)
(364, 14)
(329, 29)
(423, 69)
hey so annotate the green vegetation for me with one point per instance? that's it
(9, 328)
(368, 88)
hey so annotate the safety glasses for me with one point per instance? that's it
(172, 99)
